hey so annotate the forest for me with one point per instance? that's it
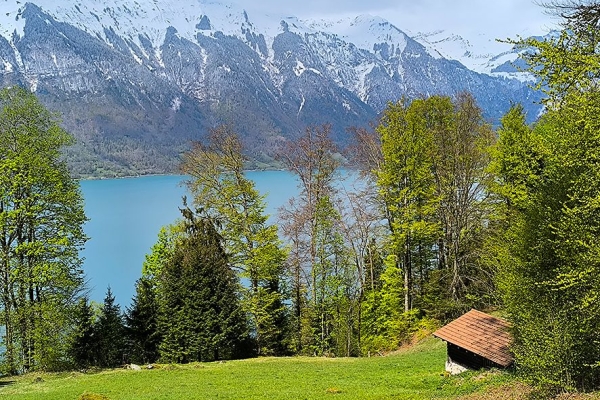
(450, 214)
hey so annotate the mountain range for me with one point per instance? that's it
(137, 81)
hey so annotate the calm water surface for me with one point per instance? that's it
(126, 215)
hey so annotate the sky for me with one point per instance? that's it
(471, 19)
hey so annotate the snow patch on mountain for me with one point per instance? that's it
(442, 44)
(362, 89)
(364, 31)
(11, 22)
(8, 67)
(489, 56)
(128, 18)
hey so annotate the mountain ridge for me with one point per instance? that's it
(137, 81)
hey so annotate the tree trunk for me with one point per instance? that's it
(407, 277)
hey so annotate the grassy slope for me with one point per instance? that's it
(416, 373)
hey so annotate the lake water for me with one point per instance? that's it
(126, 215)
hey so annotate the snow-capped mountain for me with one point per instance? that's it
(137, 80)
(491, 56)
(443, 44)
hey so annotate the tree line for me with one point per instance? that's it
(351, 272)
(356, 270)
(449, 214)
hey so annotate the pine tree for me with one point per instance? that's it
(141, 321)
(110, 333)
(200, 316)
(84, 346)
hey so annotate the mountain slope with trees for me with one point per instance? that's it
(136, 84)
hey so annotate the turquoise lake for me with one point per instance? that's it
(126, 215)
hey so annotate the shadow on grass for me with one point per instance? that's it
(6, 383)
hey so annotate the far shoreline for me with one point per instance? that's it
(101, 178)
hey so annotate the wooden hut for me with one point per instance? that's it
(476, 340)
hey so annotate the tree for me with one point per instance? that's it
(311, 159)
(84, 345)
(432, 182)
(200, 318)
(363, 235)
(169, 238)
(141, 323)
(325, 283)
(406, 184)
(41, 218)
(461, 178)
(428, 160)
(224, 194)
(110, 333)
(567, 64)
(516, 162)
(549, 266)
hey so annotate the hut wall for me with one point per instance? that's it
(468, 359)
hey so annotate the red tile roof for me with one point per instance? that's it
(481, 334)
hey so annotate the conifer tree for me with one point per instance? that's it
(200, 315)
(141, 321)
(110, 332)
(84, 347)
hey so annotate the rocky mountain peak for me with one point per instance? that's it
(137, 81)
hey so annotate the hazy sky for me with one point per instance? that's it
(469, 18)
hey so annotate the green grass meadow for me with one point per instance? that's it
(415, 373)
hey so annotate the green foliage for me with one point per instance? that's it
(385, 324)
(110, 334)
(553, 257)
(432, 183)
(223, 194)
(161, 251)
(516, 160)
(549, 179)
(41, 218)
(567, 64)
(462, 144)
(406, 184)
(141, 324)
(200, 318)
(84, 344)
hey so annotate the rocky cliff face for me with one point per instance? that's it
(135, 82)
